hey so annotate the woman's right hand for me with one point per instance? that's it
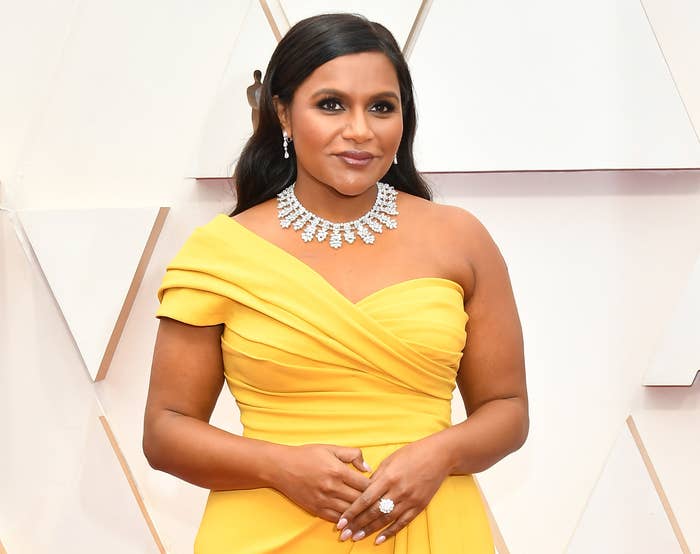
(317, 478)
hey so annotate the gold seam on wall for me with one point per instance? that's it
(421, 16)
(498, 540)
(271, 20)
(131, 293)
(657, 485)
(132, 483)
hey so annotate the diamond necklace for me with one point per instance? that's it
(291, 212)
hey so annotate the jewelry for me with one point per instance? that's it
(396, 161)
(285, 138)
(386, 505)
(291, 212)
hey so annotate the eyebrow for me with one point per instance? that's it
(336, 92)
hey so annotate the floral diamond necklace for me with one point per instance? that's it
(291, 213)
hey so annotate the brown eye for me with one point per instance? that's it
(330, 105)
(384, 107)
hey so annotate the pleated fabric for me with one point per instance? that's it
(306, 365)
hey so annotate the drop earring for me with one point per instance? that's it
(285, 139)
(396, 161)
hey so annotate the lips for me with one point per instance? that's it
(356, 157)
(356, 154)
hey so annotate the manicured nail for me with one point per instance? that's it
(345, 535)
(380, 539)
(342, 522)
(358, 536)
(366, 466)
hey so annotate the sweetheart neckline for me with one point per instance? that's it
(330, 285)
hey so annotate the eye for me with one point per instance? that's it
(330, 104)
(384, 107)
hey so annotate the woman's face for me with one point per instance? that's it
(346, 123)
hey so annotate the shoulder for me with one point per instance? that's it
(465, 241)
(450, 224)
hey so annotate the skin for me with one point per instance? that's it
(187, 370)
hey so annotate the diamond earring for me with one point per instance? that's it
(396, 161)
(285, 138)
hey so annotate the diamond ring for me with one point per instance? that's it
(386, 505)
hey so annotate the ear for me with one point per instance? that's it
(283, 115)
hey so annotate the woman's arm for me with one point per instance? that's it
(186, 378)
(491, 376)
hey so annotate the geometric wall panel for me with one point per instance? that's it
(93, 261)
(677, 358)
(132, 483)
(546, 85)
(671, 438)
(624, 513)
(395, 15)
(677, 33)
(228, 122)
(498, 542)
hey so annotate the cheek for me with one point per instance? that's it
(313, 130)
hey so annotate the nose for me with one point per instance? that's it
(357, 127)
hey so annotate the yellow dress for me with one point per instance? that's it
(307, 365)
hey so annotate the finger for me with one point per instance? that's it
(335, 505)
(372, 520)
(370, 495)
(352, 455)
(347, 494)
(403, 520)
(355, 480)
(329, 515)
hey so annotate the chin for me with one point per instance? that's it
(353, 187)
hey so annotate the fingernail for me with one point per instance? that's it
(366, 466)
(380, 539)
(358, 536)
(345, 535)
(342, 522)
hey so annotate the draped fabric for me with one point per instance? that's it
(307, 365)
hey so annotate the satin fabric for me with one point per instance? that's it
(307, 365)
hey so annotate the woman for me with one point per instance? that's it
(341, 342)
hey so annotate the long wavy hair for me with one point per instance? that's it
(261, 171)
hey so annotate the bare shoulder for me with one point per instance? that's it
(467, 244)
(448, 220)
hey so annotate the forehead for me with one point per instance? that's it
(361, 73)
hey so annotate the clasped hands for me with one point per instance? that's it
(317, 478)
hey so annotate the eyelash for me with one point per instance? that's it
(389, 107)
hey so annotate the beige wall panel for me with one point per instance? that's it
(677, 359)
(395, 15)
(624, 512)
(676, 27)
(90, 258)
(175, 506)
(127, 106)
(672, 440)
(62, 488)
(546, 85)
(228, 125)
(585, 253)
(32, 37)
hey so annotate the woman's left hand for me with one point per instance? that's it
(409, 477)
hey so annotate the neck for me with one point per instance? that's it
(328, 203)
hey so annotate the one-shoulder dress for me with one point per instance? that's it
(307, 365)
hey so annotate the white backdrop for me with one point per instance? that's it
(120, 105)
